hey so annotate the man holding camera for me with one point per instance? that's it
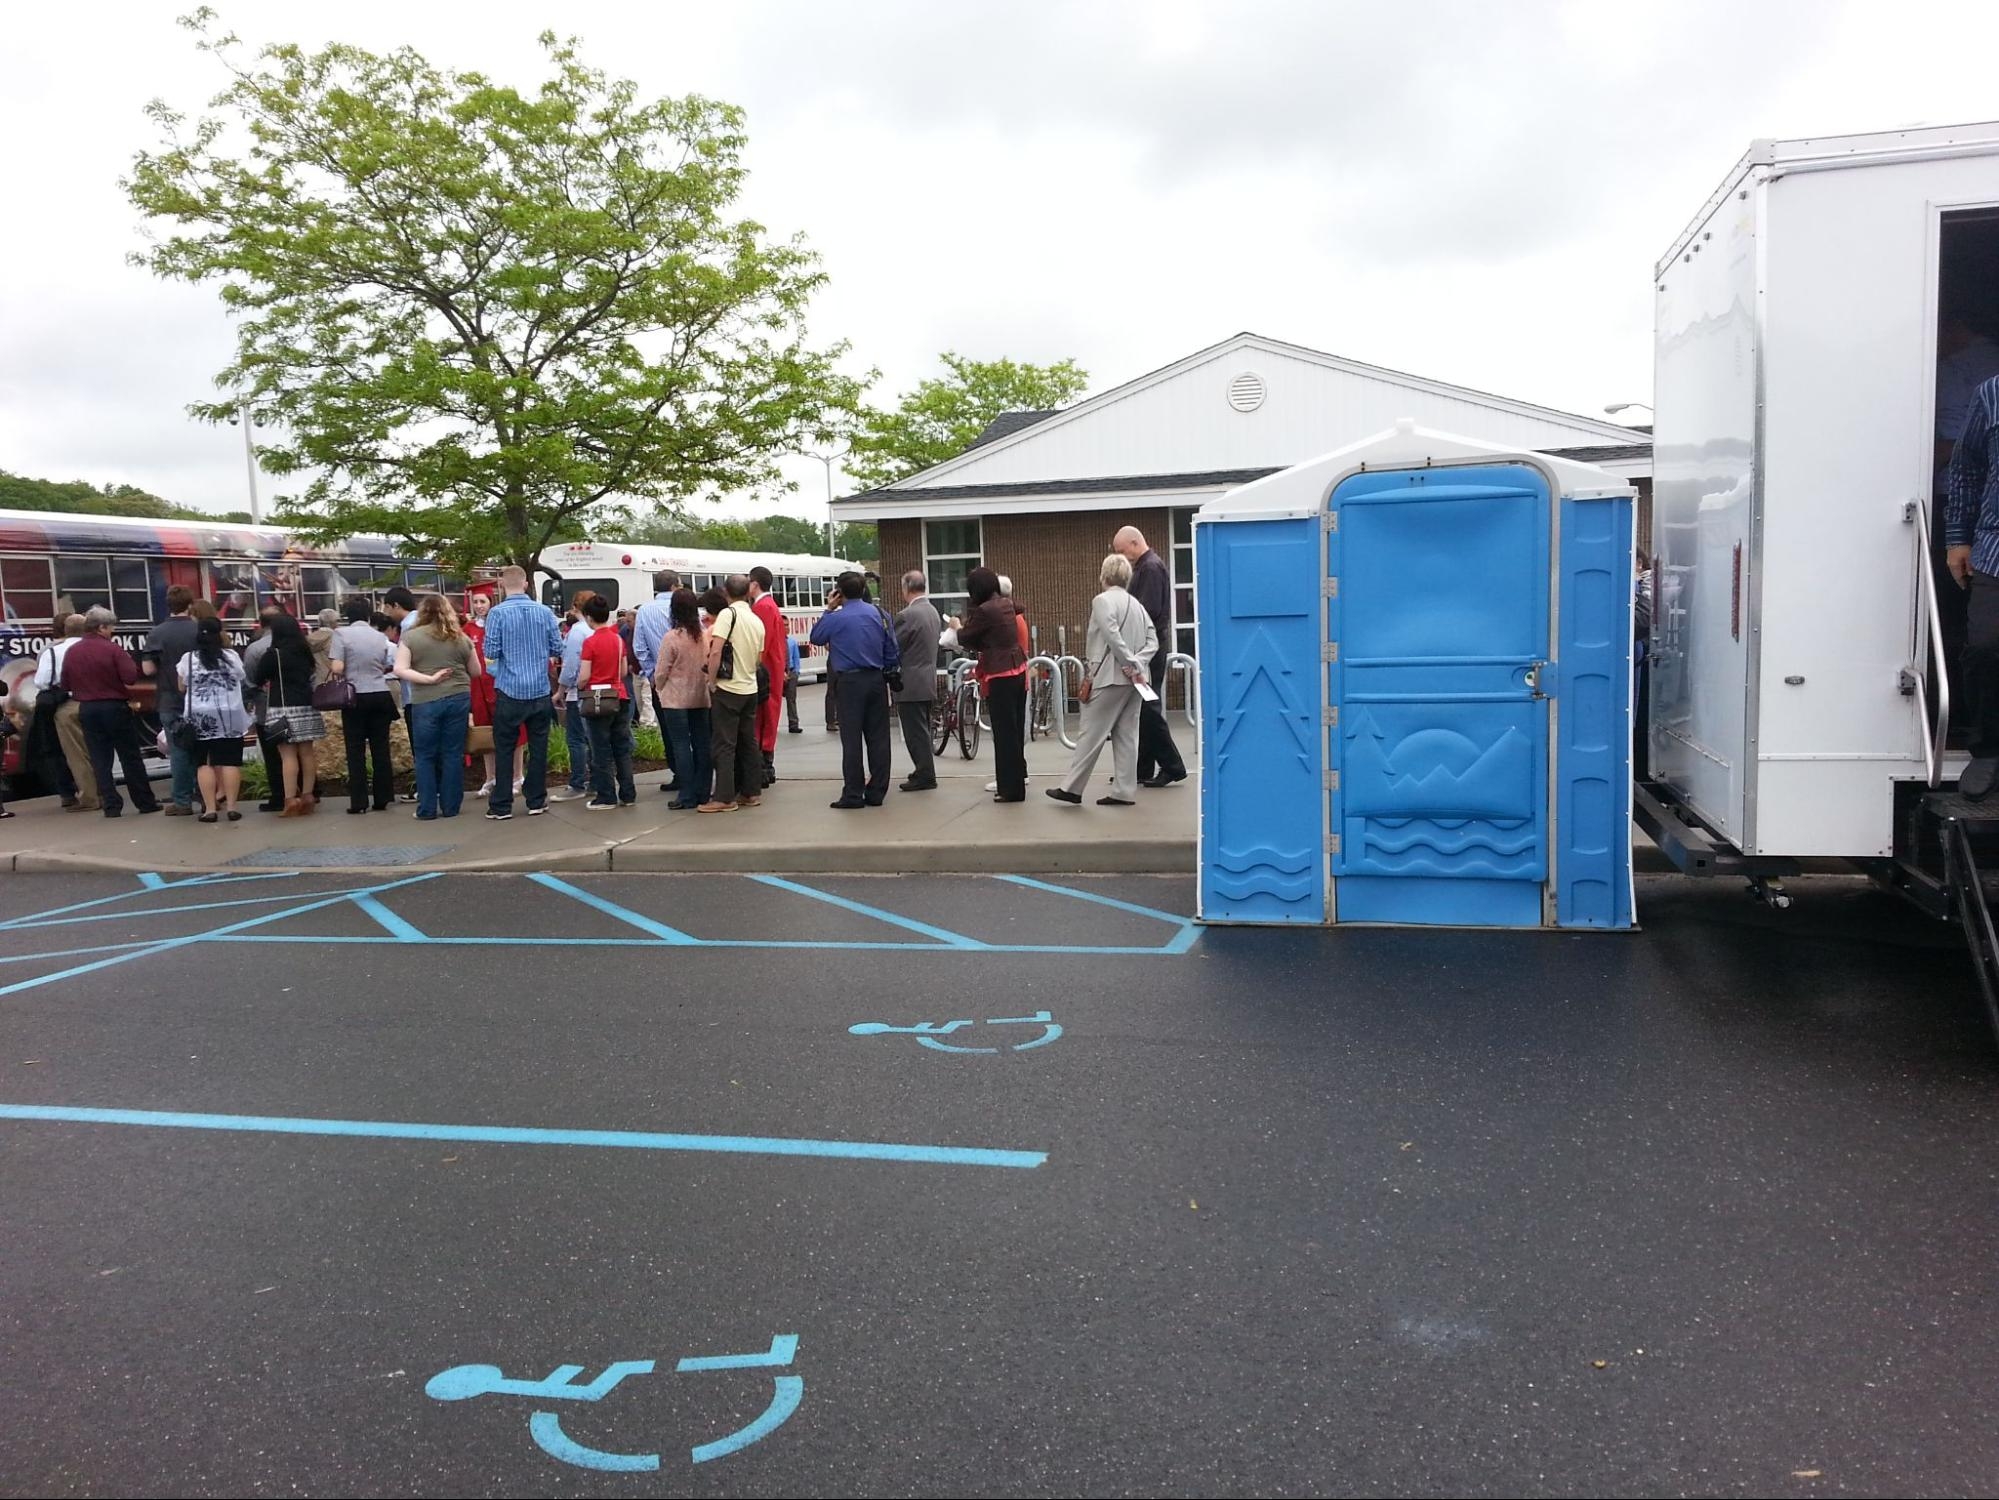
(861, 648)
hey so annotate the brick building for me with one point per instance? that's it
(1039, 494)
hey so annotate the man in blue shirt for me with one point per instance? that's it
(1971, 530)
(573, 731)
(522, 638)
(649, 628)
(861, 649)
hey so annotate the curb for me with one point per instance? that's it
(1099, 857)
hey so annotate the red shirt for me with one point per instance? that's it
(775, 656)
(98, 670)
(604, 656)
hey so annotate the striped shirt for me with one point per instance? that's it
(521, 638)
(1971, 484)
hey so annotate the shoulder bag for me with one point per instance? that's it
(1090, 678)
(891, 675)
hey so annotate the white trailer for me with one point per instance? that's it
(1794, 654)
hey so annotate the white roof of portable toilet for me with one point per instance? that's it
(1301, 490)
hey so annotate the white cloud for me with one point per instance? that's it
(1469, 191)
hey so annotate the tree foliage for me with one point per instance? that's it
(80, 497)
(941, 417)
(773, 534)
(476, 313)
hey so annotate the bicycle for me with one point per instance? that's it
(1041, 707)
(956, 713)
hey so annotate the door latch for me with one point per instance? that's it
(1532, 681)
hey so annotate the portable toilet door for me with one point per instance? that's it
(1458, 618)
(1438, 622)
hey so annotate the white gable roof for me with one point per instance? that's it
(1302, 489)
(1181, 420)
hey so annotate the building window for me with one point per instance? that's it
(1183, 581)
(951, 549)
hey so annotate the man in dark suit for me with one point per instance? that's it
(916, 632)
(1159, 762)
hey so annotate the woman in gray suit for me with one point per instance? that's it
(1121, 641)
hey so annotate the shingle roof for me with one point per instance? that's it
(1124, 483)
(1006, 424)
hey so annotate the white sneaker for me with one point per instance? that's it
(486, 790)
(565, 794)
(993, 786)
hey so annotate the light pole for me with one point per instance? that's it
(829, 459)
(244, 420)
(1617, 406)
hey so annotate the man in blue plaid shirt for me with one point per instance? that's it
(1971, 530)
(522, 638)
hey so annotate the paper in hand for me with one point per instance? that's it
(1145, 692)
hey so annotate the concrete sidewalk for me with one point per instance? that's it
(957, 828)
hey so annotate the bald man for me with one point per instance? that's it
(1159, 762)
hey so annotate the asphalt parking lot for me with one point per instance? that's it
(950, 1185)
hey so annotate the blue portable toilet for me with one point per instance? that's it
(1416, 677)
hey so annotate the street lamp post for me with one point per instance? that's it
(829, 459)
(246, 422)
(1617, 406)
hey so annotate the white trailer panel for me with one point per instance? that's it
(1796, 378)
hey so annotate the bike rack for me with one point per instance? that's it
(1058, 692)
(1192, 668)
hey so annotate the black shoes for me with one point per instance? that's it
(917, 786)
(1978, 778)
(1063, 794)
(1164, 778)
(843, 805)
(1115, 802)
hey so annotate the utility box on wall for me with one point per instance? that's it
(1416, 661)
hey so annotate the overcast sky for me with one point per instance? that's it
(1474, 192)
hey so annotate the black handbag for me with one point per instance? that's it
(891, 675)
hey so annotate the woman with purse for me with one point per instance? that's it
(438, 660)
(360, 659)
(681, 680)
(1120, 642)
(606, 706)
(291, 722)
(991, 627)
(214, 719)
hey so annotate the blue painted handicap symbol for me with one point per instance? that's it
(462, 1382)
(928, 1032)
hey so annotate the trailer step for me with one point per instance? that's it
(1971, 892)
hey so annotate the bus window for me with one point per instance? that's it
(232, 587)
(82, 583)
(131, 599)
(423, 580)
(321, 587)
(25, 596)
(604, 587)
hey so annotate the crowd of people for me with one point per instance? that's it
(718, 670)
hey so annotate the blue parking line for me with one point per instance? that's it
(153, 881)
(202, 937)
(403, 931)
(1111, 901)
(28, 919)
(952, 939)
(24, 958)
(610, 908)
(1179, 944)
(160, 911)
(516, 1135)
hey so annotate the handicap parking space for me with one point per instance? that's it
(1281, 1211)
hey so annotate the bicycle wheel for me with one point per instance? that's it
(941, 725)
(968, 720)
(1040, 715)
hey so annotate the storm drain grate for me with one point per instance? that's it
(346, 854)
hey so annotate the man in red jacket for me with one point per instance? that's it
(100, 674)
(774, 661)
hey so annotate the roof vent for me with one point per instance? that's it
(1246, 391)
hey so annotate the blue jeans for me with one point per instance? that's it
(578, 740)
(182, 763)
(509, 714)
(437, 740)
(687, 731)
(611, 749)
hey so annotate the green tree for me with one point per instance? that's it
(939, 419)
(79, 497)
(475, 313)
(672, 527)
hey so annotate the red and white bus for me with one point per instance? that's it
(622, 573)
(54, 564)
